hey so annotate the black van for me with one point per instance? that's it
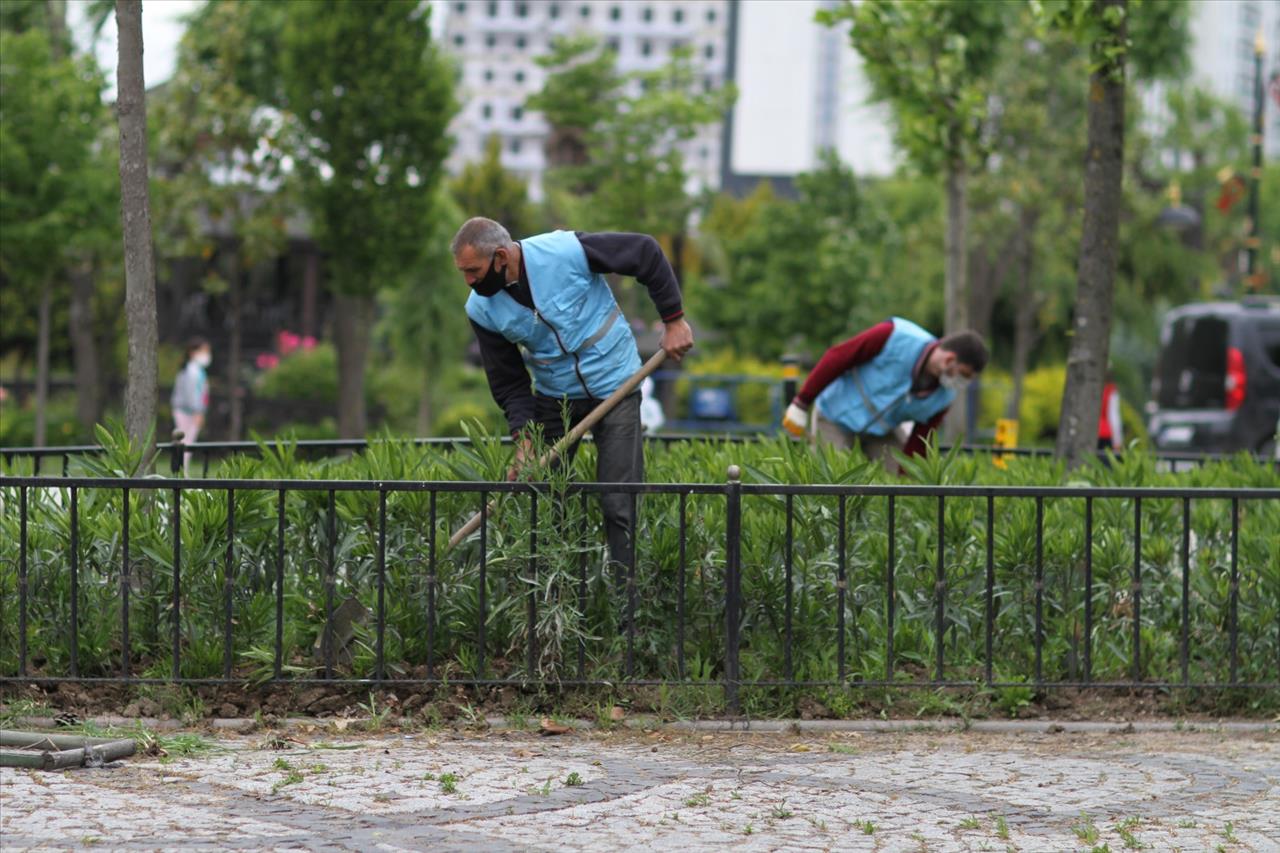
(1217, 382)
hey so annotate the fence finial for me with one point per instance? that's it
(735, 473)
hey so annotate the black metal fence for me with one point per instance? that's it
(776, 570)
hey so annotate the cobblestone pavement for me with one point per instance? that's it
(669, 790)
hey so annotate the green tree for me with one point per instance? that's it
(932, 63)
(372, 95)
(50, 118)
(616, 139)
(1111, 30)
(485, 188)
(802, 274)
(223, 194)
(421, 313)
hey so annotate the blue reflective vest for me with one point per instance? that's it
(876, 396)
(575, 340)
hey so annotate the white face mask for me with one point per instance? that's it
(203, 359)
(953, 382)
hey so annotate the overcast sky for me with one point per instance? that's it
(161, 30)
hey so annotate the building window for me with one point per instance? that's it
(522, 10)
(517, 113)
(615, 13)
(677, 44)
(584, 12)
(704, 152)
(645, 48)
(709, 51)
(614, 45)
(647, 14)
(678, 16)
(520, 42)
(488, 75)
(459, 40)
(490, 40)
(493, 8)
(519, 76)
(553, 11)
(514, 147)
(708, 84)
(460, 7)
(711, 16)
(486, 111)
(1249, 15)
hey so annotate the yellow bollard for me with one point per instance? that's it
(1006, 436)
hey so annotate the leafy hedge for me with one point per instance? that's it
(559, 621)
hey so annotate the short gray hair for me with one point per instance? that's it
(483, 235)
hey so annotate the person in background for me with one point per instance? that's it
(893, 372)
(190, 398)
(1110, 434)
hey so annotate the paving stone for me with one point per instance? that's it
(894, 791)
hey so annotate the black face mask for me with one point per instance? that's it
(493, 280)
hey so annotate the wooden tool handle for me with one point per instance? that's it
(593, 417)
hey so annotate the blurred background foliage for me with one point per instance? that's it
(764, 275)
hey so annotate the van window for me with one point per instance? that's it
(1193, 364)
(1269, 337)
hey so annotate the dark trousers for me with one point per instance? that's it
(619, 459)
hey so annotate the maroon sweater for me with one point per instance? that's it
(860, 349)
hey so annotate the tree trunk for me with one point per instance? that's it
(352, 325)
(235, 296)
(1099, 249)
(310, 291)
(135, 215)
(84, 347)
(957, 297)
(42, 364)
(1024, 331)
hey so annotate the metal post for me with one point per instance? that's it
(991, 583)
(22, 581)
(75, 584)
(940, 591)
(125, 663)
(732, 590)
(279, 661)
(382, 585)
(1253, 242)
(177, 584)
(228, 582)
(176, 453)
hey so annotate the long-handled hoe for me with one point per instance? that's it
(593, 417)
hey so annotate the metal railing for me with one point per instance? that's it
(425, 566)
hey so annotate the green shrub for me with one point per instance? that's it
(303, 375)
(1041, 404)
(571, 568)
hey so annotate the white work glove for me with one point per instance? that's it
(796, 420)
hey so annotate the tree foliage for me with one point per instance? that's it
(485, 188)
(616, 138)
(51, 119)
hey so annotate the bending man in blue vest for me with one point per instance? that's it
(893, 372)
(546, 295)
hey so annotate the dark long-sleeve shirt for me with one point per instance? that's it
(635, 255)
(860, 349)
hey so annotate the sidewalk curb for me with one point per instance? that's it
(355, 725)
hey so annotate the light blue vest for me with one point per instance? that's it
(576, 341)
(875, 397)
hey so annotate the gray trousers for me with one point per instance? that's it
(877, 447)
(619, 459)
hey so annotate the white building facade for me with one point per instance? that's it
(497, 41)
(1223, 36)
